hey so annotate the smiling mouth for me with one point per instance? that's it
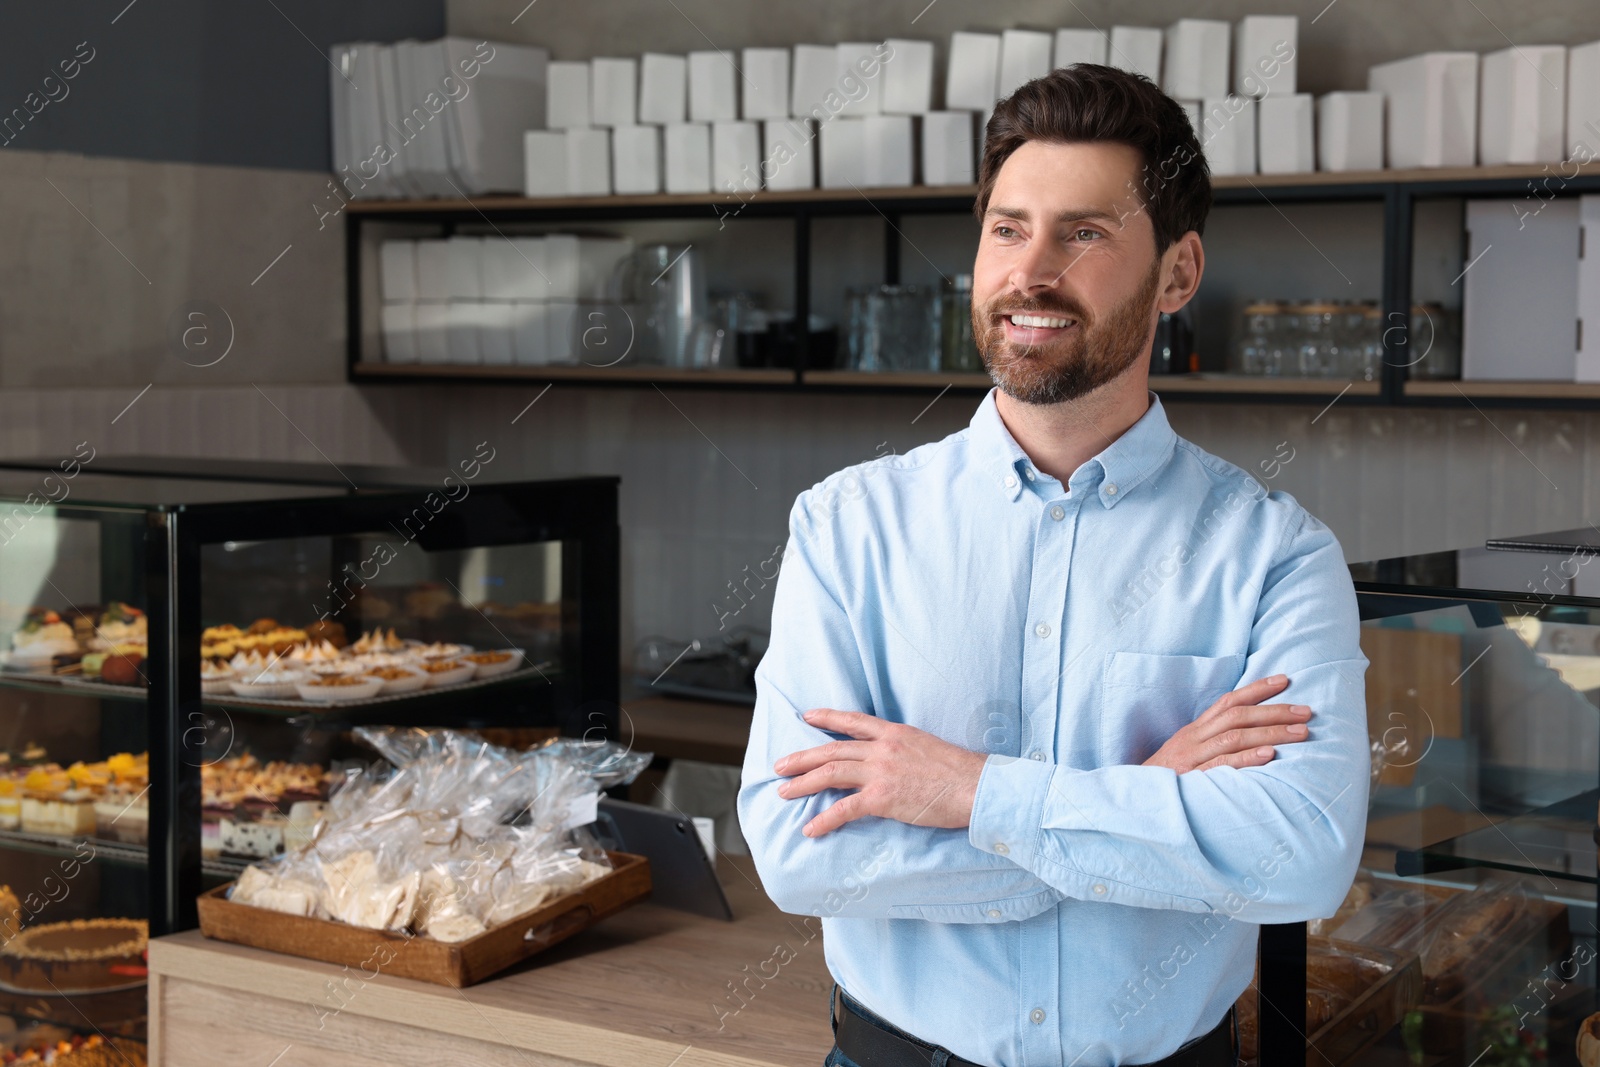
(1046, 322)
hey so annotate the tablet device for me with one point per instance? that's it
(682, 876)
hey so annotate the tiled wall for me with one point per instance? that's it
(708, 477)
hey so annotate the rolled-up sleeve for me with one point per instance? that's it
(1277, 843)
(870, 867)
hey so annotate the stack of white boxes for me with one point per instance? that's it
(499, 300)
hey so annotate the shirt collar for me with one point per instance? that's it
(1116, 471)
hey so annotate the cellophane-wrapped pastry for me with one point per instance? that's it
(449, 836)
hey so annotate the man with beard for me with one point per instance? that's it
(1058, 710)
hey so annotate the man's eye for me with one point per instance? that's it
(1004, 231)
(1086, 235)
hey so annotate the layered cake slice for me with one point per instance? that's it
(75, 957)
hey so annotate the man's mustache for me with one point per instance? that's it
(1056, 306)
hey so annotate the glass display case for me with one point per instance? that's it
(1469, 935)
(184, 651)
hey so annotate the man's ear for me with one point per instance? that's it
(1182, 266)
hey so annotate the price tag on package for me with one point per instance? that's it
(582, 811)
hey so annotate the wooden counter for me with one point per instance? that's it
(649, 987)
(679, 728)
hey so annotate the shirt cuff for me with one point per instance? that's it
(1008, 810)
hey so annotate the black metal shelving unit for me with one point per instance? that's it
(1397, 192)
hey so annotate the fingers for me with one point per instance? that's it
(1233, 741)
(1251, 716)
(1255, 757)
(846, 810)
(812, 758)
(854, 723)
(1253, 693)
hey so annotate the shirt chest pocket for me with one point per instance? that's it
(1145, 698)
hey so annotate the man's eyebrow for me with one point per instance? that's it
(1082, 214)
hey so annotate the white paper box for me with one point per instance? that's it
(1350, 131)
(1284, 127)
(397, 270)
(598, 261)
(863, 95)
(844, 153)
(508, 96)
(399, 332)
(1261, 44)
(735, 157)
(1432, 109)
(713, 92)
(433, 341)
(973, 74)
(1588, 363)
(463, 319)
(1583, 102)
(1519, 307)
(1080, 46)
(1194, 109)
(1194, 62)
(1523, 110)
(464, 269)
(908, 77)
(567, 103)
(588, 162)
(614, 91)
(888, 143)
(507, 271)
(949, 148)
(788, 154)
(525, 261)
(1136, 49)
(433, 269)
(688, 152)
(636, 159)
(663, 88)
(1024, 56)
(766, 83)
(1229, 134)
(495, 337)
(530, 325)
(561, 260)
(564, 333)
(544, 163)
(813, 81)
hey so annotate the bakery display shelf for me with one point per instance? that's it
(89, 849)
(556, 372)
(424, 701)
(1557, 841)
(55, 683)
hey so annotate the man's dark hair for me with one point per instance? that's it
(1087, 102)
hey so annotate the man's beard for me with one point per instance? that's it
(1093, 355)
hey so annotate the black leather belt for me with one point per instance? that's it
(870, 1044)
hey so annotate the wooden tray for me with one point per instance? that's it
(460, 963)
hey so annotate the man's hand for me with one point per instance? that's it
(897, 771)
(1237, 731)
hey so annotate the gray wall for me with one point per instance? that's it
(198, 81)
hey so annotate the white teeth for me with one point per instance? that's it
(1039, 321)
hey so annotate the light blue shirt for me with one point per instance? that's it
(1096, 911)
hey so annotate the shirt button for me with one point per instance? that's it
(1027, 472)
(994, 913)
(1042, 630)
(1000, 848)
(1036, 755)
(1011, 481)
(1037, 1015)
(1111, 488)
(1058, 513)
(1099, 890)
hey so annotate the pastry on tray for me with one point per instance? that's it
(42, 636)
(84, 955)
(491, 663)
(120, 624)
(1589, 1041)
(327, 687)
